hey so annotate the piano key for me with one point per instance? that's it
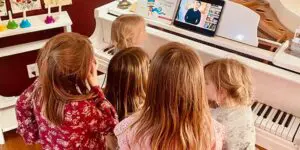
(257, 108)
(276, 115)
(268, 112)
(288, 121)
(293, 129)
(276, 124)
(282, 118)
(261, 109)
(271, 115)
(296, 138)
(287, 129)
(281, 125)
(270, 120)
(253, 105)
(260, 117)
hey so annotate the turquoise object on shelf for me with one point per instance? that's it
(25, 23)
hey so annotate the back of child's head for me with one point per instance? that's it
(64, 63)
(233, 77)
(127, 30)
(175, 113)
(126, 80)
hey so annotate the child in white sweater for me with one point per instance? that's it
(229, 86)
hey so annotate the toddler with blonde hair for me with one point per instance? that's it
(127, 30)
(228, 84)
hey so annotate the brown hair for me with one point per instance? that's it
(126, 80)
(233, 76)
(176, 113)
(64, 63)
(125, 30)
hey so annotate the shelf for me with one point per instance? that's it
(22, 48)
(38, 24)
(6, 102)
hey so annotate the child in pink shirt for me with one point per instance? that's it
(175, 114)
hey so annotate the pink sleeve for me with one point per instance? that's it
(27, 125)
(123, 142)
(124, 133)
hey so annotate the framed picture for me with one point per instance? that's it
(3, 11)
(18, 6)
(55, 3)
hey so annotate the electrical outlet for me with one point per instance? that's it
(33, 70)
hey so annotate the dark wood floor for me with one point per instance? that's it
(14, 141)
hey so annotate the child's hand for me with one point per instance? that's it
(92, 76)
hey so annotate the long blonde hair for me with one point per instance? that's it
(125, 30)
(176, 113)
(64, 63)
(234, 77)
(127, 80)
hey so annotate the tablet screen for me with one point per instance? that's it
(200, 14)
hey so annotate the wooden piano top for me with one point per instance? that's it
(269, 26)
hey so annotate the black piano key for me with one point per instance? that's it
(261, 109)
(282, 118)
(253, 105)
(287, 123)
(276, 115)
(268, 112)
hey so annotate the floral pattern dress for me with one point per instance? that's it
(85, 122)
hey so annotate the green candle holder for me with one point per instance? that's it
(12, 25)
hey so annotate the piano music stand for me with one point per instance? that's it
(239, 28)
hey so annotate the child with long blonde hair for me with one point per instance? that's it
(128, 30)
(175, 114)
(60, 110)
(229, 85)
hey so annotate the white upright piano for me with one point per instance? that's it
(277, 88)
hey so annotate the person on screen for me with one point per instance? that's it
(193, 15)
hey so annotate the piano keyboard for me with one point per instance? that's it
(276, 122)
(103, 58)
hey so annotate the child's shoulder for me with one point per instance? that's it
(82, 105)
(234, 111)
(125, 124)
(218, 127)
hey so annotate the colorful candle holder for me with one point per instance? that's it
(11, 23)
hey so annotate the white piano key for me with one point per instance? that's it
(275, 125)
(287, 130)
(281, 127)
(293, 129)
(265, 120)
(270, 122)
(261, 117)
(297, 136)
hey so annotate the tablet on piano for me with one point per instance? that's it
(201, 16)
